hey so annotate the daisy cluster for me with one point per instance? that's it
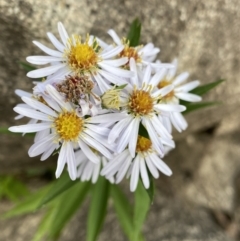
(106, 109)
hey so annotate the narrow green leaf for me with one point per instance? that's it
(203, 89)
(134, 33)
(29, 204)
(66, 206)
(123, 210)
(150, 191)
(98, 207)
(12, 188)
(142, 131)
(196, 106)
(44, 226)
(141, 208)
(59, 186)
(26, 66)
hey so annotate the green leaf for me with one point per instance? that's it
(12, 188)
(29, 204)
(141, 208)
(44, 226)
(134, 33)
(26, 66)
(203, 89)
(142, 131)
(67, 205)
(60, 210)
(59, 186)
(98, 207)
(123, 210)
(151, 189)
(196, 106)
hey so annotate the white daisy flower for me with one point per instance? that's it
(147, 158)
(75, 57)
(143, 55)
(87, 170)
(179, 92)
(60, 125)
(142, 106)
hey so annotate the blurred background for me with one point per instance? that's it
(201, 201)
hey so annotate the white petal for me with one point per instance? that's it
(43, 72)
(112, 78)
(41, 134)
(115, 37)
(189, 97)
(125, 138)
(163, 91)
(154, 138)
(134, 175)
(169, 107)
(22, 93)
(48, 51)
(188, 87)
(157, 77)
(144, 174)
(88, 152)
(61, 160)
(147, 74)
(172, 72)
(47, 153)
(63, 33)
(161, 165)
(57, 97)
(55, 42)
(117, 129)
(180, 78)
(103, 86)
(29, 128)
(41, 146)
(116, 62)
(71, 161)
(107, 118)
(32, 113)
(117, 71)
(96, 171)
(134, 136)
(159, 127)
(133, 68)
(151, 167)
(112, 53)
(123, 170)
(54, 105)
(41, 60)
(39, 106)
(98, 146)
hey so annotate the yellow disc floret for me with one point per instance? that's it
(143, 144)
(68, 125)
(130, 52)
(82, 57)
(140, 102)
(164, 83)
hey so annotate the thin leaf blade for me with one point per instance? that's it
(59, 186)
(142, 204)
(98, 207)
(203, 89)
(197, 106)
(123, 210)
(134, 33)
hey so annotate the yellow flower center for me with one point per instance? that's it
(69, 126)
(129, 52)
(82, 57)
(164, 83)
(143, 144)
(140, 102)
